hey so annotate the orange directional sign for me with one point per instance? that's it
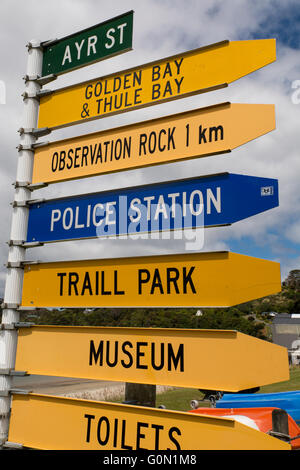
(233, 361)
(53, 423)
(217, 279)
(192, 72)
(201, 132)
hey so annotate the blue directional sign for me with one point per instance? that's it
(214, 200)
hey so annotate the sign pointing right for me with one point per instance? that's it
(197, 71)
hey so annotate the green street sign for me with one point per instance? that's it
(90, 45)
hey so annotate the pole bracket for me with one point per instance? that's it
(9, 305)
(21, 147)
(13, 372)
(35, 132)
(19, 204)
(46, 79)
(12, 445)
(35, 186)
(37, 45)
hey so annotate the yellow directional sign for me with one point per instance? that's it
(192, 72)
(217, 279)
(233, 360)
(201, 132)
(53, 423)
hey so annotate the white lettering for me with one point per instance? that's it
(67, 55)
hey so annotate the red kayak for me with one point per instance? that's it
(257, 418)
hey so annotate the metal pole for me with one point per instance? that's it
(17, 253)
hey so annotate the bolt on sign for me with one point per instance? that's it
(88, 46)
(176, 205)
(182, 280)
(47, 422)
(187, 74)
(153, 356)
(201, 132)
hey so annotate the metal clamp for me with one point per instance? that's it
(16, 325)
(15, 264)
(31, 45)
(13, 372)
(35, 132)
(12, 445)
(21, 147)
(46, 79)
(19, 204)
(15, 242)
(9, 305)
(32, 244)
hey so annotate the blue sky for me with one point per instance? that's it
(161, 29)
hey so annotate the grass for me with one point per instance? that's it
(179, 398)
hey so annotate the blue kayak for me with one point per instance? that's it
(288, 401)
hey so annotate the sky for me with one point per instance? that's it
(163, 28)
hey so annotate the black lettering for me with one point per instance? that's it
(178, 65)
(62, 157)
(175, 359)
(137, 78)
(171, 138)
(77, 150)
(171, 432)
(143, 140)
(167, 70)
(215, 130)
(117, 84)
(98, 89)
(187, 279)
(85, 152)
(116, 432)
(54, 162)
(61, 275)
(70, 158)
(123, 435)
(96, 355)
(105, 420)
(140, 354)
(156, 282)
(160, 146)
(202, 134)
(143, 280)
(152, 142)
(172, 279)
(168, 89)
(86, 284)
(88, 92)
(116, 291)
(73, 283)
(88, 431)
(104, 292)
(139, 435)
(114, 363)
(137, 96)
(127, 364)
(155, 91)
(155, 72)
(162, 356)
(178, 83)
(157, 428)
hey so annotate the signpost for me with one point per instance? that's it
(187, 74)
(158, 356)
(88, 46)
(54, 423)
(181, 280)
(201, 132)
(190, 203)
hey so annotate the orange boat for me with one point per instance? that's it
(257, 418)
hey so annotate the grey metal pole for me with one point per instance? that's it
(17, 253)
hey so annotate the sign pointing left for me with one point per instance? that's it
(90, 45)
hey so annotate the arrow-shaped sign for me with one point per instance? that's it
(182, 204)
(57, 423)
(153, 356)
(190, 73)
(201, 132)
(217, 279)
